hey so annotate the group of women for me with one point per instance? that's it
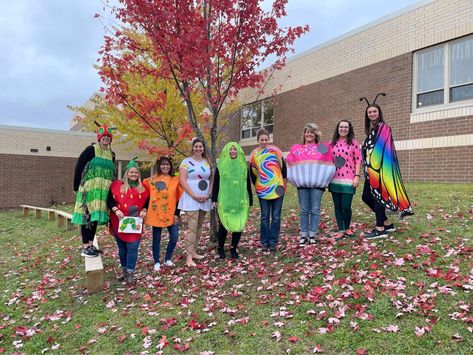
(311, 167)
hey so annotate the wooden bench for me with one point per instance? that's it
(94, 272)
(26, 211)
(63, 218)
(93, 266)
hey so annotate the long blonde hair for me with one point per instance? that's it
(126, 185)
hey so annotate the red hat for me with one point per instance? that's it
(104, 131)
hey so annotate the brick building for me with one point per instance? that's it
(37, 165)
(421, 56)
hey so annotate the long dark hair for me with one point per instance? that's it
(160, 161)
(367, 120)
(350, 136)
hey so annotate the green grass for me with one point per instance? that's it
(236, 307)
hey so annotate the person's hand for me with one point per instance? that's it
(143, 214)
(119, 214)
(356, 182)
(215, 204)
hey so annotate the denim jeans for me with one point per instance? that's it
(128, 253)
(309, 202)
(270, 235)
(173, 235)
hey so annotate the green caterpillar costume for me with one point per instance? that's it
(233, 199)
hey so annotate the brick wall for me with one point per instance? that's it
(328, 101)
(37, 180)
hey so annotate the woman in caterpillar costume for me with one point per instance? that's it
(92, 178)
(127, 198)
(268, 174)
(383, 186)
(231, 196)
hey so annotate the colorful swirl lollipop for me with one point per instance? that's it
(266, 164)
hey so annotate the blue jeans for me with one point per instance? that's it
(270, 236)
(309, 202)
(128, 253)
(173, 235)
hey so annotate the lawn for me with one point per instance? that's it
(409, 293)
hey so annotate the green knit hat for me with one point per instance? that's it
(132, 164)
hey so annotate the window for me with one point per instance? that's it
(255, 116)
(444, 74)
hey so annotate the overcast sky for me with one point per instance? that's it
(49, 47)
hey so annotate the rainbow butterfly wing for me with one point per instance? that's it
(384, 172)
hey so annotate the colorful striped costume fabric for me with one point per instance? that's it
(309, 166)
(382, 169)
(266, 165)
(91, 198)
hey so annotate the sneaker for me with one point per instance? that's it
(98, 251)
(375, 234)
(312, 240)
(265, 248)
(169, 263)
(234, 253)
(130, 278)
(89, 252)
(303, 241)
(123, 276)
(339, 235)
(273, 248)
(406, 213)
(349, 232)
(221, 253)
(157, 267)
(390, 228)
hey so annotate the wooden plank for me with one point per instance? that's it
(94, 272)
(51, 215)
(94, 280)
(38, 213)
(60, 220)
(26, 211)
(69, 225)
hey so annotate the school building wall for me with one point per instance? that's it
(33, 174)
(323, 85)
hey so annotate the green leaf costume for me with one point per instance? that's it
(91, 198)
(233, 199)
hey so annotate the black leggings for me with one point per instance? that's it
(222, 236)
(378, 209)
(88, 232)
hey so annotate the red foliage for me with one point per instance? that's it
(210, 48)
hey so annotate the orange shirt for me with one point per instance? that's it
(164, 192)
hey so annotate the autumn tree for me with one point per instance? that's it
(159, 128)
(210, 49)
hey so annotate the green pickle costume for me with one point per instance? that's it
(233, 199)
(91, 198)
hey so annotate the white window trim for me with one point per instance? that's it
(253, 140)
(447, 109)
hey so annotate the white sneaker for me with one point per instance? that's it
(169, 263)
(157, 267)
